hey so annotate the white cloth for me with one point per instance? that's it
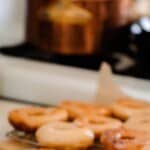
(12, 22)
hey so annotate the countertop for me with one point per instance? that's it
(50, 83)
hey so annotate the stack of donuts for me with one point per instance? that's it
(72, 125)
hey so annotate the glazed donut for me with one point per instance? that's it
(142, 121)
(98, 124)
(146, 147)
(64, 135)
(30, 118)
(78, 109)
(46, 149)
(124, 108)
(123, 139)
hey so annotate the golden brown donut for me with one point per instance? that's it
(123, 139)
(98, 124)
(64, 135)
(61, 148)
(30, 118)
(140, 121)
(124, 108)
(48, 149)
(146, 147)
(78, 109)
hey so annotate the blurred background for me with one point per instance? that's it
(81, 33)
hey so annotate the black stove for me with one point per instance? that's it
(28, 51)
(128, 52)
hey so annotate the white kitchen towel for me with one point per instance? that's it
(12, 22)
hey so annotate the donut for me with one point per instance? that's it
(124, 108)
(146, 147)
(123, 139)
(77, 109)
(30, 118)
(64, 135)
(98, 124)
(46, 149)
(140, 120)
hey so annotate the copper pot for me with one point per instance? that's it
(69, 39)
(119, 12)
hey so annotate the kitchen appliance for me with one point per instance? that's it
(66, 39)
(117, 32)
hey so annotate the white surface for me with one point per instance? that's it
(12, 22)
(50, 83)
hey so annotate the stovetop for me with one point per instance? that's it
(28, 51)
